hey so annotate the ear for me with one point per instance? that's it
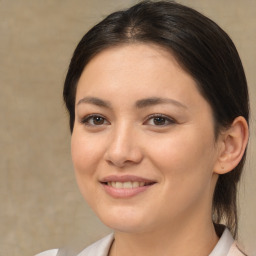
(232, 144)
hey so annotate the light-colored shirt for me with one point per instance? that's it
(226, 246)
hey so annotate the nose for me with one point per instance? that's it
(123, 148)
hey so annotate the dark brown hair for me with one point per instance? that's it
(201, 47)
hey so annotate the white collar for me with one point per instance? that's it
(223, 245)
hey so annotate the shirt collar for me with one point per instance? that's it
(223, 245)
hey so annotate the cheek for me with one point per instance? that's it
(86, 156)
(186, 164)
(185, 151)
(85, 153)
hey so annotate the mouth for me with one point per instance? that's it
(126, 186)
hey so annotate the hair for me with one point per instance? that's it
(202, 49)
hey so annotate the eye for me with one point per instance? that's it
(94, 120)
(159, 120)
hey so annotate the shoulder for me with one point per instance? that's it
(99, 248)
(53, 252)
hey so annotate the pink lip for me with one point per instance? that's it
(125, 192)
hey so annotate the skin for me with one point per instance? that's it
(180, 154)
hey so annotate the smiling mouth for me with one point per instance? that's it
(127, 184)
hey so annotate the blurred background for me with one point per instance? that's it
(41, 207)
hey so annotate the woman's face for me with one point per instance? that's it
(143, 143)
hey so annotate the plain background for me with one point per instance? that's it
(41, 207)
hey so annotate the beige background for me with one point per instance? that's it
(41, 207)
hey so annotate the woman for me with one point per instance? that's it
(158, 107)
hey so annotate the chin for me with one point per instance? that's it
(125, 220)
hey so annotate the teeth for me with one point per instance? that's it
(142, 184)
(112, 184)
(127, 184)
(119, 185)
(135, 184)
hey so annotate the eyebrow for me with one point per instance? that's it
(143, 103)
(156, 100)
(95, 101)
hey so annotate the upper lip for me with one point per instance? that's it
(125, 178)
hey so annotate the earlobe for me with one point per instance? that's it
(233, 144)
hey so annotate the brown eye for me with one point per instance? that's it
(94, 120)
(98, 120)
(159, 120)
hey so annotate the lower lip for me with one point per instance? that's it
(125, 192)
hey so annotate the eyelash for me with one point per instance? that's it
(168, 119)
(86, 120)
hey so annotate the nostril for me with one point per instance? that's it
(119, 162)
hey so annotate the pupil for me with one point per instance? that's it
(98, 120)
(159, 120)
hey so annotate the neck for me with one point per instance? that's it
(199, 238)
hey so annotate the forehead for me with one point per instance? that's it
(127, 53)
(140, 64)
